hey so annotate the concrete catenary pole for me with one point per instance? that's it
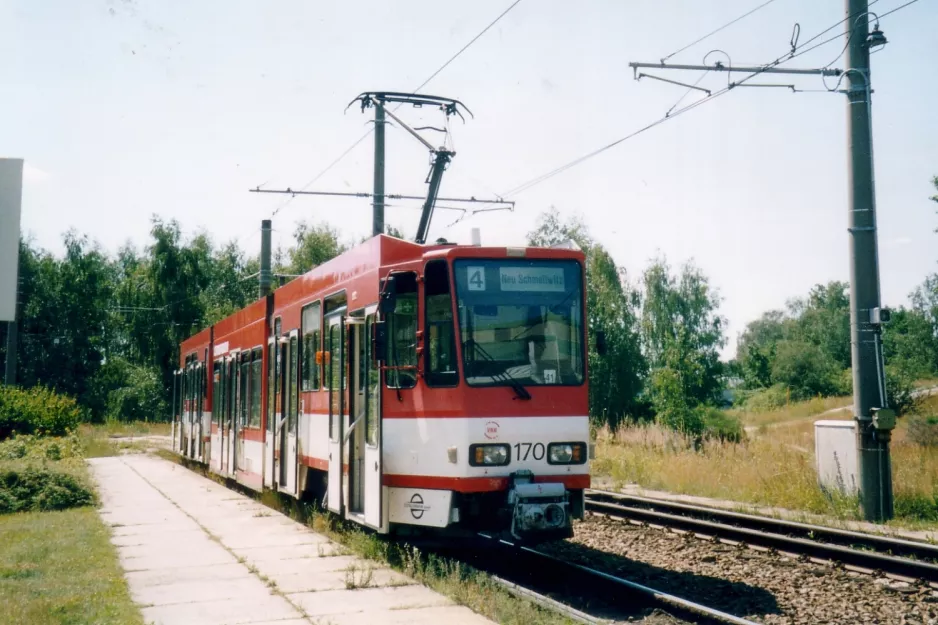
(378, 214)
(264, 277)
(869, 396)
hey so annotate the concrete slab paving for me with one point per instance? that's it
(198, 553)
(447, 615)
(330, 602)
(238, 611)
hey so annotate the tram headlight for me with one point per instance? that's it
(566, 453)
(489, 455)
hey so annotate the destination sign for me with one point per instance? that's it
(531, 279)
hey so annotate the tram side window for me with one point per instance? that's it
(312, 360)
(243, 402)
(402, 323)
(255, 421)
(216, 395)
(373, 385)
(271, 383)
(441, 352)
(333, 378)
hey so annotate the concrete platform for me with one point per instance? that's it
(197, 553)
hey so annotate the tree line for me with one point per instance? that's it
(105, 329)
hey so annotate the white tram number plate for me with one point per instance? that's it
(536, 451)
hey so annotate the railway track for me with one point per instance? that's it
(867, 552)
(627, 595)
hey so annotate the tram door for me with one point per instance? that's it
(244, 408)
(269, 439)
(289, 422)
(354, 436)
(335, 378)
(231, 391)
(371, 427)
(221, 401)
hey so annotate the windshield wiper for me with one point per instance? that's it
(504, 376)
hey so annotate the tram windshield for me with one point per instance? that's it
(520, 321)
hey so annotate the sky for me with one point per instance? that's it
(126, 109)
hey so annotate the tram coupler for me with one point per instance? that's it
(539, 511)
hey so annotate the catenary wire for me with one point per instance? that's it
(782, 59)
(725, 26)
(421, 86)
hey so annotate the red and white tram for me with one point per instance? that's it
(405, 386)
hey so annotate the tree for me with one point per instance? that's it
(551, 230)
(755, 350)
(64, 316)
(804, 368)
(823, 318)
(909, 343)
(314, 246)
(616, 378)
(682, 331)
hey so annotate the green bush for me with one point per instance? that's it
(28, 447)
(672, 408)
(37, 410)
(138, 396)
(722, 426)
(900, 385)
(845, 382)
(32, 488)
(805, 369)
(917, 506)
(768, 399)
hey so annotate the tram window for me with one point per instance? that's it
(255, 389)
(441, 343)
(372, 385)
(402, 323)
(333, 373)
(271, 383)
(294, 392)
(311, 347)
(244, 399)
(216, 394)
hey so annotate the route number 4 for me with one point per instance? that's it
(476, 278)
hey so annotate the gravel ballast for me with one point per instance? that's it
(758, 585)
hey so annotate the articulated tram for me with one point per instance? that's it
(406, 387)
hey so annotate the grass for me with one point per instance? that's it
(462, 583)
(794, 411)
(100, 440)
(57, 566)
(60, 568)
(774, 467)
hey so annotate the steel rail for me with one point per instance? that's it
(790, 536)
(546, 602)
(672, 601)
(666, 600)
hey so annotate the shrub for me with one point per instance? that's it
(139, 397)
(845, 382)
(722, 426)
(32, 488)
(40, 448)
(37, 410)
(804, 368)
(900, 385)
(672, 407)
(768, 399)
